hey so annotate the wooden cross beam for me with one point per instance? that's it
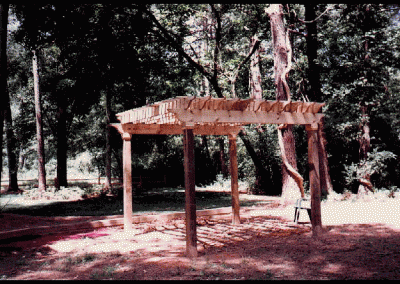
(175, 129)
(246, 117)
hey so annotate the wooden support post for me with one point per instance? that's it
(315, 188)
(234, 179)
(190, 192)
(127, 175)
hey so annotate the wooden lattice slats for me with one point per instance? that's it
(163, 112)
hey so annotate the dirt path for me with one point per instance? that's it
(266, 245)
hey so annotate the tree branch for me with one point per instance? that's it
(236, 74)
(217, 46)
(165, 35)
(317, 18)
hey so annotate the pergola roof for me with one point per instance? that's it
(214, 116)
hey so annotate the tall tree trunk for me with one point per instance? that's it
(365, 139)
(365, 145)
(108, 183)
(260, 171)
(290, 188)
(39, 125)
(315, 93)
(62, 147)
(255, 74)
(313, 76)
(255, 93)
(3, 74)
(11, 144)
(224, 168)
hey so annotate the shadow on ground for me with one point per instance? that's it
(260, 248)
(156, 201)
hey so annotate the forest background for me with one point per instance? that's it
(95, 60)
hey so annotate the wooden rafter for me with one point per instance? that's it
(170, 116)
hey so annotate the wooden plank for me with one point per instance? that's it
(174, 129)
(313, 164)
(245, 117)
(127, 181)
(234, 180)
(190, 198)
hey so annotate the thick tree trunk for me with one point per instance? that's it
(314, 92)
(3, 74)
(62, 147)
(313, 76)
(282, 48)
(39, 125)
(255, 74)
(326, 182)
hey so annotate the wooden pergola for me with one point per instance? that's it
(189, 116)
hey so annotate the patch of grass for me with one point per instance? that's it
(69, 262)
(159, 200)
(107, 272)
(84, 258)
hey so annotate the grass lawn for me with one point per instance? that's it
(156, 200)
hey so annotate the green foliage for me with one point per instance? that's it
(375, 166)
(92, 51)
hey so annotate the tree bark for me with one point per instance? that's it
(255, 74)
(313, 76)
(282, 48)
(11, 144)
(3, 74)
(314, 92)
(365, 145)
(39, 125)
(62, 147)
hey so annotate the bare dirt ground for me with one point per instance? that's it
(361, 240)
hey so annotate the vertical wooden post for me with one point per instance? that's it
(127, 175)
(234, 179)
(190, 192)
(315, 188)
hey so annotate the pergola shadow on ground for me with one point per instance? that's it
(189, 116)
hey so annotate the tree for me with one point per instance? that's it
(314, 91)
(292, 182)
(357, 63)
(3, 74)
(255, 73)
(39, 125)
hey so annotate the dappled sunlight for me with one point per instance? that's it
(266, 245)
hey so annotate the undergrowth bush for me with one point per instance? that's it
(65, 193)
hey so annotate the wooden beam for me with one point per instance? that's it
(315, 188)
(127, 181)
(234, 180)
(190, 194)
(174, 129)
(245, 117)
